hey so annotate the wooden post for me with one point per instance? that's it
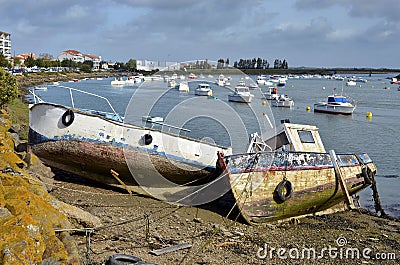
(348, 200)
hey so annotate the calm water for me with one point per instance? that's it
(377, 136)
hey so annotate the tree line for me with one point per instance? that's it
(254, 63)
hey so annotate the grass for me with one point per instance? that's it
(19, 112)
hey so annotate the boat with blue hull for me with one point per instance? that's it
(90, 143)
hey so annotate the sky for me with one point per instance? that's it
(306, 33)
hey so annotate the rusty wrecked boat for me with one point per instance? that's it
(290, 174)
(90, 143)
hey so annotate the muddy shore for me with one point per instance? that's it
(136, 225)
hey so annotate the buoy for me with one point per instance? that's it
(369, 114)
(264, 103)
(372, 86)
(308, 108)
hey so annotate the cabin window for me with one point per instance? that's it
(306, 136)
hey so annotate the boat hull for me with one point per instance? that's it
(333, 109)
(314, 183)
(203, 92)
(92, 145)
(241, 98)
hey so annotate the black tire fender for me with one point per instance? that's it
(122, 259)
(280, 195)
(68, 118)
(147, 139)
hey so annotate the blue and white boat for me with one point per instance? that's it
(91, 143)
(336, 104)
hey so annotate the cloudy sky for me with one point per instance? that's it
(312, 33)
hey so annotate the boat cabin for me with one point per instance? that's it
(290, 137)
(337, 99)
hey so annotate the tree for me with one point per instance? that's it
(29, 62)
(3, 60)
(8, 88)
(131, 64)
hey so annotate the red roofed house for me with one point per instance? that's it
(77, 56)
(22, 57)
(71, 55)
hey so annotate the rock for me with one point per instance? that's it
(80, 216)
(15, 128)
(4, 213)
(197, 220)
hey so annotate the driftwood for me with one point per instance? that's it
(170, 249)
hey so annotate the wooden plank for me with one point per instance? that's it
(349, 202)
(170, 249)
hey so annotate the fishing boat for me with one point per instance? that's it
(40, 87)
(335, 104)
(203, 89)
(90, 143)
(272, 94)
(351, 82)
(241, 94)
(283, 101)
(183, 86)
(289, 174)
(118, 81)
(221, 81)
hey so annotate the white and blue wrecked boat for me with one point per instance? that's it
(91, 143)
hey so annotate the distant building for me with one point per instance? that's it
(73, 55)
(22, 57)
(95, 59)
(5, 44)
(146, 65)
(79, 57)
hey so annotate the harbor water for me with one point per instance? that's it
(357, 133)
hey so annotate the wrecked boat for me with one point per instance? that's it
(90, 143)
(290, 174)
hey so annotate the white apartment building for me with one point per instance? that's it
(79, 57)
(146, 65)
(5, 44)
(73, 55)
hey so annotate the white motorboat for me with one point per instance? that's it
(336, 104)
(351, 83)
(118, 81)
(183, 86)
(221, 80)
(242, 94)
(152, 119)
(283, 101)
(40, 87)
(272, 94)
(172, 83)
(203, 89)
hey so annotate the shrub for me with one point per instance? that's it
(8, 88)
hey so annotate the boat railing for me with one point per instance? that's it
(37, 99)
(288, 160)
(168, 126)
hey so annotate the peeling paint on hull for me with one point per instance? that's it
(92, 145)
(314, 183)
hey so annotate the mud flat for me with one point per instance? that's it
(136, 225)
